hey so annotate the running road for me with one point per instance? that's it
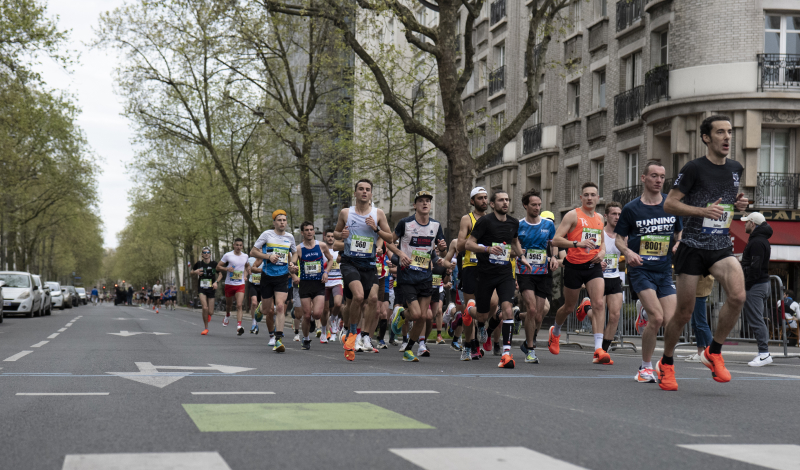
(121, 387)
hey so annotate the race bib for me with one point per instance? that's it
(473, 258)
(612, 263)
(334, 265)
(592, 234)
(502, 258)
(312, 268)
(378, 269)
(283, 256)
(236, 275)
(255, 278)
(536, 258)
(205, 283)
(359, 244)
(654, 247)
(420, 260)
(437, 280)
(721, 226)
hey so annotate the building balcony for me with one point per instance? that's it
(777, 190)
(628, 105)
(571, 134)
(496, 160)
(656, 84)
(628, 12)
(596, 125)
(778, 71)
(497, 80)
(598, 36)
(532, 138)
(573, 48)
(626, 195)
(498, 11)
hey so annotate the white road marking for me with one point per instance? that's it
(233, 393)
(147, 461)
(62, 330)
(17, 356)
(775, 456)
(501, 458)
(394, 391)
(53, 336)
(126, 333)
(150, 375)
(39, 344)
(60, 394)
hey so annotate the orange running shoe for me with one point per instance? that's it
(466, 318)
(583, 309)
(602, 357)
(716, 363)
(350, 355)
(665, 374)
(329, 335)
(205, 332)
(506, 362)
(553, 342)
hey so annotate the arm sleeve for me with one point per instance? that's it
(196, 265)
(293, 246)
(686, 178)
(224, 259)
(440, 234)
(260, 242)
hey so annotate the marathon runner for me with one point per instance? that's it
(710, 191)
(275, 247)
(360, 226)
(206, 270)
(309, 260)
(536, 283)
(156, 295)
(580, 232)
(333, 292)
(254, 291)
(494, 240)
(236, 265)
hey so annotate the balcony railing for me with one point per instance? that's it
(498, 11)
(571, 134)
(628, 105)
(656, 84)
(778, 71)
(596, 125)
(532, 139)
(628, 11)
(496, 160)
(497, 80)
(626, 195)
(777, 190)
(573, 48)
(536, 51)
(459, 40)
(598, 36)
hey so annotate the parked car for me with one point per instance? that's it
(82, 295)
(47, 301)
(2, 283)
(75, 300)
(56, 295)
(20, 294)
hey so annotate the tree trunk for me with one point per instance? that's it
(460, 183)
(305, 175)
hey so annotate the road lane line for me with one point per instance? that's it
(52, 336)
(233, 393)
(394, 391)
(61, 394)
(17, 356)
(62, 330)
(431, 458)
(39, 344)
(150, 461)
(775, 456)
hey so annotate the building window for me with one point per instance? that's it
(574, 103)
(500, 55)
(664, 47)
(600, 176)
(633, 71)
(421, 21)
(574, 20)
(499, 121)
(572, 186)
(632, 169)
(482, 74)
(599, 89)
(537, 115)
(774, 154)
(781, 34)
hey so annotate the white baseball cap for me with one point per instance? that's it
(755, 217)
(477, 190)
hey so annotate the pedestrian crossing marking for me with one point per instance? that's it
(147, 461)
(496, 458)
(297, 417)
(774, 456)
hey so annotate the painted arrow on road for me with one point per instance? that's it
(150, 375)
(134, 333)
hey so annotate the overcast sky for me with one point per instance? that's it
(91, 82)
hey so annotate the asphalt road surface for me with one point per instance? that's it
(123, 388)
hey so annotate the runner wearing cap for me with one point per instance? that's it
(275, 247)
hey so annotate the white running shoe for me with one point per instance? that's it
(423, 351)
(760, 360)
(693, 358)
(271, 341)
(333, 337)
(225, 320)
(366, 343)
(359, 344)
(644, 376)
(297, 338)
(403, 346)
(448, 314)
(323, 340)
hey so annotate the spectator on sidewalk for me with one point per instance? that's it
(792, 310)
(755, 264)
(702, 332)
(130, 295)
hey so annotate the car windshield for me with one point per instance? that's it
(54, 285)
(80, 290)
(16, 280)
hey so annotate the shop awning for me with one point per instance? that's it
(785, 240)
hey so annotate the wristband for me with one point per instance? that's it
(575, 244)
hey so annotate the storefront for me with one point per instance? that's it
(785, 245)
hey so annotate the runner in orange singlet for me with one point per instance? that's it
(581, 233)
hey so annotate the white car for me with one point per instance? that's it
(56, 295)
(82, 295)
(47, 296)
(21, 294)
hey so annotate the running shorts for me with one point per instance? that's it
(310, 289)
(504, 285)
(613, 286)
(272, 284)
(577, 275)
(412, 292)
(659, 281)
(468, 279)
(540, 284)
(696, 262)
(230, 290)
(367, 277)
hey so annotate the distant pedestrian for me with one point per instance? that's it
(130, 295)
(755, 264)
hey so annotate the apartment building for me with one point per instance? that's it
(646, 73)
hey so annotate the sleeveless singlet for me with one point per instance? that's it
(469, 258)
(359, 246)
(612, 258)
(335, 274)
(311, 262)
(585, 228)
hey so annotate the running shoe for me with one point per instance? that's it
(481, 351)
(258, 314)
(483, 335)
(465, 316)
(328, 336)
(524, 347)
(496, 350)
(475, 354)
(506, 362)
(225, 320)
(465, 354)
(323, 340)
(382, 345)
(332, 337)
(205, 332)
(156, 311)
(403, 346)
(601, 357)
(455, 346)
(254, 329)
(349, 354)
(297, 338)
(423, 351)
(531, 357)
(306, 344)
(279, 347)
(239, 330)
(398, 320)
(393, 342)
(517, 321)
(553, 343)
(583, 309)
(349, 345)
(487, 345)
(692, 358)
(439, 339)
(271, 341)
(760, 360)
(319, 332)
(448, 314)
(665, 375)
(359, 347)
(645, 376)
(716, 363)
(641, 317)
(409, 356)
(366, 343)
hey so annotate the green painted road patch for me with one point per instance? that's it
(297, 417)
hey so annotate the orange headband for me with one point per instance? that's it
(277, 213)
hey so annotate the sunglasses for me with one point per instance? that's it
(206, 252)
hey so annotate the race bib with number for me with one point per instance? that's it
(255, 278)
(283, 256)
(654, 247)
(612, 263)
(379, 268)
(205, 283)
(361, 245)
(721, 226)
(236, 275)
(437, 280)
(334, 265)
(420, 260)
(473, 258)
(312, 268)
(502, 258)
(536, 258)
(592, 234)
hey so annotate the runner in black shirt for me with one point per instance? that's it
(709, 188)
(206, 269)
(494, 240)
